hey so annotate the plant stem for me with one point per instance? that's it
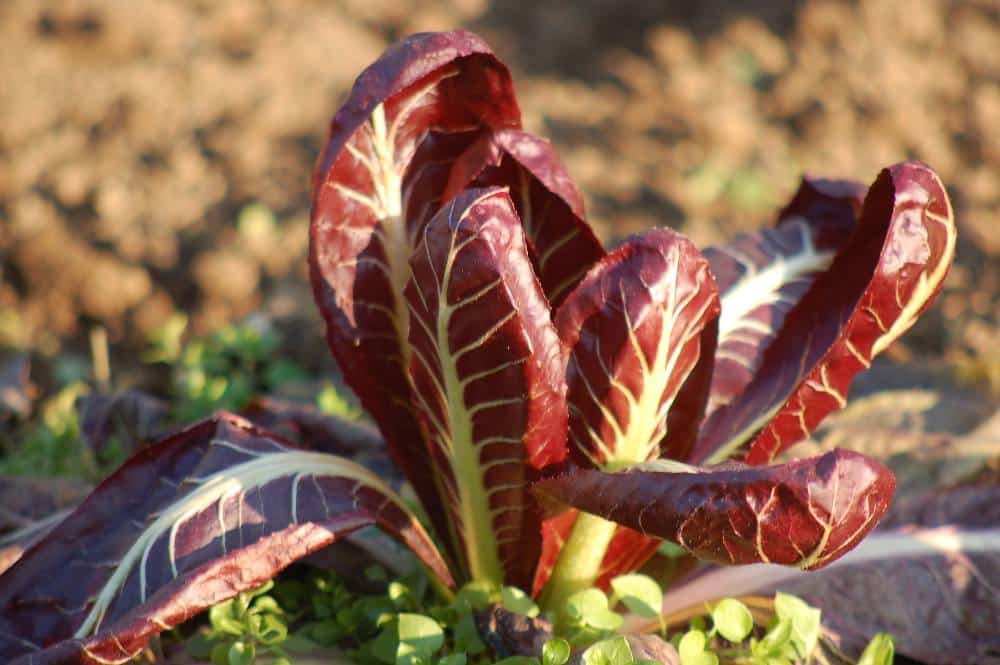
(579, 561)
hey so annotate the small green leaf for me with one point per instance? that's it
(385, 646)
(514, 600)
(805, 621)
(880, 651)
(590, 607)
(732, 619)
(613, 651)
(691, 649)
(474, 596)
(420, 632)
(269, 629)
(555, 651)
(467, 636)
(399, 593)
(692, 643)
(775, 641)
(266, 605)
(640, 593)
(241, 653)
(223, 621)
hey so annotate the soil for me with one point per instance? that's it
(135, 134)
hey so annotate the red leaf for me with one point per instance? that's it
(634, 330)
(881, 280)
(562, 245)
(487, 370)
(360, 244)
(927, 576)
(762, 275)
(805, 513)
(187, 523)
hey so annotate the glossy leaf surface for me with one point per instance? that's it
(360, 243)
(882, 279)
(216, 509)
(487, 369)
(562, 245)
(762, 275)
(805, 513)
(633, 329)
(926, 575)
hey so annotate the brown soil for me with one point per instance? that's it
(134, 133)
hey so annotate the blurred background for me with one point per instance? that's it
(155, 156)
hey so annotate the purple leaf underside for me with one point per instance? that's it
(562, 245)
(804, 513)
(634, 328)
(216, 509)
(762, 275)
(368, 176)
(882, 279)
(487, 368)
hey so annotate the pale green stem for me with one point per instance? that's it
(579, 561)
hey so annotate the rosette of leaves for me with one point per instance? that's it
(558, 409)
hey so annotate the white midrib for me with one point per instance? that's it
(759, 288)
(257, 472)
(481, 548)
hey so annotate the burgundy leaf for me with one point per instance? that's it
(879, 283)
(805, 513)
(762, 275)
(425, 183)
(189, 522)
(360, 243)
(562, 245)
(634, 331)
(928, 576)
(487, 370)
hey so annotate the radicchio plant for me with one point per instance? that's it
(557, 409)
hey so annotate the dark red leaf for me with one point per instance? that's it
(805, 513)
(187, 523)
(928, 576)
(360, 243)
(562, 245)
(634, 330)
(879, 283)
(762, 275)
(487, 371)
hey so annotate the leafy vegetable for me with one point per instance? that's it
(511, 368)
